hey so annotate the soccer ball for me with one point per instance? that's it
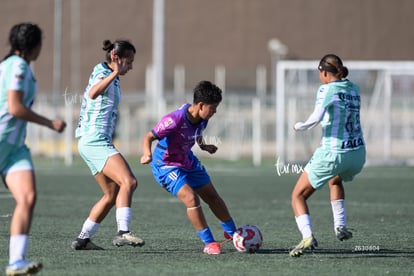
(247, 238)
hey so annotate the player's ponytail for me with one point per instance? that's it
(342, 72)
(107, 47)
(121, 47)
(333, 64)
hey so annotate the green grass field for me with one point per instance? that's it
(379, 206)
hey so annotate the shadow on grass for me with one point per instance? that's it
(336, 252)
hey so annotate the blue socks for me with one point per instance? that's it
(229, 227)
(206, 236)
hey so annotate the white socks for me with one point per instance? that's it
(89, 228)
(304, 225)
(339, 216)
(339, 213)
(17, 248)
(123, 217)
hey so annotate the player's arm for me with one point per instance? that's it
(100, 87)
(146, 147)
(19, 110)
(318, 112)
(312, 120)
(209, 148)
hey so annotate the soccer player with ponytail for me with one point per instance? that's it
(95, 130)
(18, 88)
(341, 154)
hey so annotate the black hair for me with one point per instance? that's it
(207, 92)
(333, 64)
(121, 47)
(24, 37)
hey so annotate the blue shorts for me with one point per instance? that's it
(324, 165)
(14, 158)
(95, 151)
(172, 178)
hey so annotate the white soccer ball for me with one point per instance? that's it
(247, 238)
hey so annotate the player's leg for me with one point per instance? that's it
(217, 205)
(319, 170)
(196, 216)
(337, 196)
(110, 192)
(301, 192)
(97, 214)
(351, 164)
(200, 181)
(21, 184)
(117, 169)
(192, 202)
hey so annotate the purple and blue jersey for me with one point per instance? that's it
(177, 135)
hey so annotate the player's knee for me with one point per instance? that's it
(27, 201)
(130, 182)
(133, 183)
(336, 181)
(109, 199)
(191, 200)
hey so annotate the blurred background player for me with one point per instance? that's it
(18, 90)
(179, 171)
(95, 131)
(341, 154)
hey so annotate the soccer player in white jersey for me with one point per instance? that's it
(18, 90)
(95, 130)
(341, 154)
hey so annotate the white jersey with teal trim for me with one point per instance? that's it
(337, 109)
(99, 115)
(15, 74)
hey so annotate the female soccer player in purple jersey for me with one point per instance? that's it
(178, 170)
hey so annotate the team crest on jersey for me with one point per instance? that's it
(168, 122)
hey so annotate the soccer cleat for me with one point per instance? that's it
(23, 267)
(84, 244)
(212, 248)
(127, 239)
(305, 244)
(342, 233)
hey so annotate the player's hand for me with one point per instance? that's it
(297, 125)
(146, 159)
(58, 125)
(117, 63)
(209, 148)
